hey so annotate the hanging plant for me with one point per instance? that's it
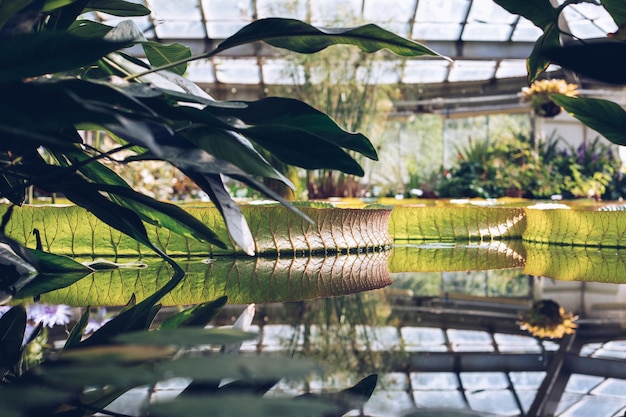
(539, 92)
(547, 319)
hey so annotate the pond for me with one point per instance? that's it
(438, 322)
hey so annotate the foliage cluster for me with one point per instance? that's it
(525, 167)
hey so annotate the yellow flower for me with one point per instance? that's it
(547, 319)
(538, 94)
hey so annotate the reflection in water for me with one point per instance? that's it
(436, 339)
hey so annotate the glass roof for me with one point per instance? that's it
(485, 41)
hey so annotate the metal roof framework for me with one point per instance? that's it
(488, 45)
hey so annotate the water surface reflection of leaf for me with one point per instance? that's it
(244, 280)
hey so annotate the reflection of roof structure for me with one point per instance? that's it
(467, 352)
(488, 45)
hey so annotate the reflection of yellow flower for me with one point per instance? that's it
(547, 319)
(538, 94)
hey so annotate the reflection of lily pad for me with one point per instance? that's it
(577, 263)
(71, 230)
(243, 280)
(453, 257)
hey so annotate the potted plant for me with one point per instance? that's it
(539, 92)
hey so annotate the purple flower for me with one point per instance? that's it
(97, 320)
(50, 315)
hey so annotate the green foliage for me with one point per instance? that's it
(595, 60)
(527, 167)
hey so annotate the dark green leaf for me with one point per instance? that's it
(78, 331)
(50, 263)
(617, 10)
(605, 117)
(301, 37)
(185, 336)
(595, 60)
(117, 8)
(18, 16)
(12, 328)
(235, 221)
(159, 54)
(197, 316)
(218, 366)
(239, 405)
(539, 12)
(77, 377)
(292, 117)
(89, 29)
(537, 63)
(47, 52)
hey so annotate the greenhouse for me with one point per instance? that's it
(312, 207)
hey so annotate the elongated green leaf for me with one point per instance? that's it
(185, 337)
(12, 328)
(78, 331)
(117, 8)
(595, 60)
(47, 52)
(17, 13)
(540, 12)
(301, 37)
(605, 117)
(292, 117)
(216, 367)
(617, 10)
(159, 54)
(89, 29)
(536, 62)
(241, 406)
(231, 212)
(196, 316)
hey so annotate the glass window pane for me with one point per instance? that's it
(442, 11)
(436, 31)
(240, 71)
(281, 8)
(471, 70)
(334, 13)
(282, 72)
(478, 31)
(425, 71)
(200, 71)
(525, 31)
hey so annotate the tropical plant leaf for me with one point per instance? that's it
(196, 316)
(35, 54)
(89, 29)
(231, 213)
(604, 116)
(539, 12)
(241, 406)
(348, 399)
(536, 62)
(159, 55)
(595, 60)
(285, 116)
(12, 328)
(76, 335)
(15, 17)
(301, 37)
(218, 366)
(117, 8)
(184, 337)
(617, 10)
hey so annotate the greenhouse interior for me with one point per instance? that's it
(313, 208)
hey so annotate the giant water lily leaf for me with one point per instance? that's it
(576, 227)
(301, 37)
(604, 116)
(74, 231)
(243, 280)
(596, 60)
(456, 224)
(47, 52)
(575, 263)
(436, 257)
